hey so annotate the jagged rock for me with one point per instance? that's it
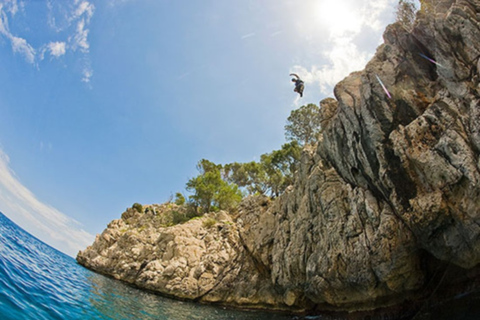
(391, 188)
(201, 259)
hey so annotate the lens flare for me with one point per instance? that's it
(383, 86)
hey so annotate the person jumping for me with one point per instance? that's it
(299, 85)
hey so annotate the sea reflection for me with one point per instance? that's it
(115, 300)
(37, 282)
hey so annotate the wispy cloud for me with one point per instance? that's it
(276, 33)
(343, 58)
(85, 9)
(249, 35)
(80, 39)
(87, 74)
(70, 19)
(81, 17)
(19, 45)
(345, 21)
(38, 218)
(56, 49)
(183, 75)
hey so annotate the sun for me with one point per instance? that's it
(339, 16)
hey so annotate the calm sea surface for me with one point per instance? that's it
(38, 282)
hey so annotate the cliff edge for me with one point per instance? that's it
(390, 193)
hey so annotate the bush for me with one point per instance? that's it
(137, 206)
(210, 191)
(209, 222)
(406, 11)
(179, 217)
(179, 199)
(303, 125)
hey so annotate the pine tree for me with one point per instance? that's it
(406, 11)
(303, 124)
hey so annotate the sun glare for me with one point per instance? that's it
(338, 16)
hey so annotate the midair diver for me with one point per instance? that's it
(299, 86)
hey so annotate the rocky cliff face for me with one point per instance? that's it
(393, 183)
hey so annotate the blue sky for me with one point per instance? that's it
(107, 103)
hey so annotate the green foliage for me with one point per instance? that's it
(303, 124)
(209, 222)
(210, 191)
(137, 206)
(220, 187)
(179, 199)
(250, 175)
(406, 11)
(228, 196)
(179, 217)
(172, 214)
(280, 166)
(272, 175)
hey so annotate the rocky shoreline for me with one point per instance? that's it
(390, 194)
(202, 259)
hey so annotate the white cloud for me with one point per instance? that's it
(82, 15)
(84, 8)
(18, 44)
(343, 58)
(10, 5)
(21, 45)
(343, 22)
(43, 221)
(56, 49)
(249, 35)
(87, 74)
(375, 12)
(69, 18)
(80, 39)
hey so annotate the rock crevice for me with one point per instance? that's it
(392, 185)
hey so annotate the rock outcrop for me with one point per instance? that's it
(202, 260)
(393, 184)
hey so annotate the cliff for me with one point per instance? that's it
(390, 193)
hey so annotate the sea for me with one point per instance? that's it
(38, 282)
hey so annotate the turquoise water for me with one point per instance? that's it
(38, 282)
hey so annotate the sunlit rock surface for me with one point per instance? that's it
(393, 183)
(202, 259)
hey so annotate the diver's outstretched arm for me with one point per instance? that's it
(295, 75)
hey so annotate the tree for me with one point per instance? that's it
(273, 174)
(250, 176)
(280, 166)
(210, 191)
(137, 206)
(406, 10)
(179, 199)
(303, 124)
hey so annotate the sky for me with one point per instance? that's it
(111, 102)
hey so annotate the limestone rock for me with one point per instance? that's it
(392, 184)
(194, 260)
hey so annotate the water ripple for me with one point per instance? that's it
(39, 283)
